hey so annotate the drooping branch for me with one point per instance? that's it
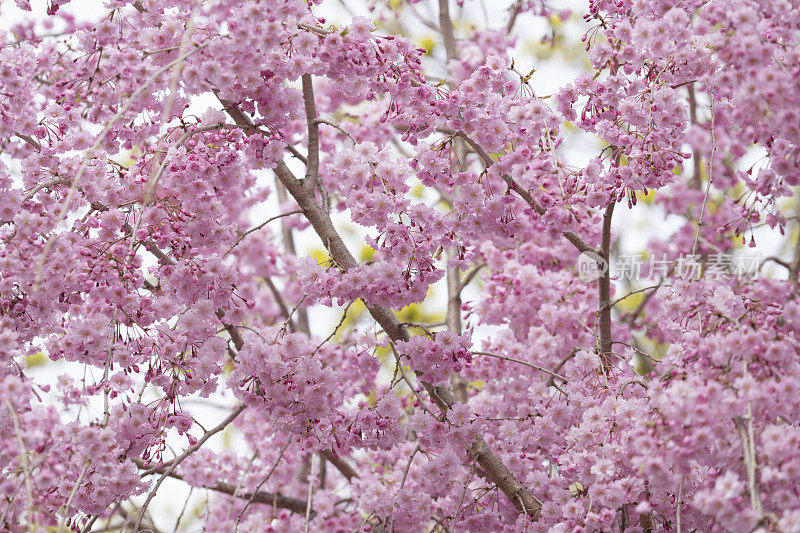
(23, 453)
(256, 228)
(745, 431)
(276, 500)
(539, 209)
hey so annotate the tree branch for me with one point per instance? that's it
(524, 363)
(446, 27)
(572, 237)
(497, 472)
(170, 468)
(560, 365)
(750, 464)
(604, 289)
(292, 504)
(321, 222)
(312, 167)
(340, 464)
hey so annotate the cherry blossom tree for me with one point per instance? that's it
(385, 265)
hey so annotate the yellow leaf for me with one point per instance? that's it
(646, 198)
(36, 359)
(428, 44)
(630, 302)
(320, 255)
(367, 253)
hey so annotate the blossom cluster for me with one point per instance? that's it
(191, 192)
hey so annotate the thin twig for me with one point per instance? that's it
(521, 362)
(256, 228)
(107, 366)
(310, 494)
(241, 479)
(25, 465)
(710, 173)
(261, 483)
(680, 503)
(170, 468)
(183, 509)
(631, 293)
(408, 467)
(68, 505)
(463, 495)
(403, 481)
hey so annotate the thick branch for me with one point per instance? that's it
(312, 169)
(341, 465)
(454, 300)
(454, 324)
(604, 288)
(697, 179)
(446, 27)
